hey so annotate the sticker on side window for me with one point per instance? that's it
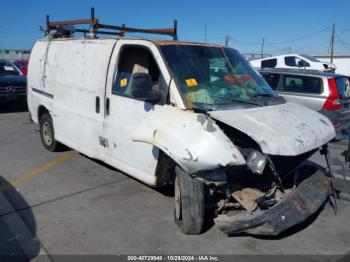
(9, 68)
(191, 82)
(123, 82)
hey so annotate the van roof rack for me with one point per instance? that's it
(95, 26)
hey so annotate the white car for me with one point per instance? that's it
(194, 116)
(293, 61)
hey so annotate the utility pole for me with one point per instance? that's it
(262, 47)
(332, 43)
(227, 39)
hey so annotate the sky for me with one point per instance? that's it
(286, 26)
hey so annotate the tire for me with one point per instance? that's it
(47, 133)
(189, 203)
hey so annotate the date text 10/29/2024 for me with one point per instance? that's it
(173, 258)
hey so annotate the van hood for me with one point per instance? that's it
(285, 130)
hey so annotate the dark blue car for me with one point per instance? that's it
(13, 84)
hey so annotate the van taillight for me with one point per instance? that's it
(333, 101)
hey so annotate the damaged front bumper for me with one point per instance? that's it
(298, 206)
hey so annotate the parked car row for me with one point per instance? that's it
(294, 61)
(22, 64)
(13, 84)
(327, 93)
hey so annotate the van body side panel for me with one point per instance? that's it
(76, 71)
(35, 79)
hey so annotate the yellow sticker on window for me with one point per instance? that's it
(123, 82)
(191, 82)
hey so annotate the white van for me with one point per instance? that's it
(294, 61)
(192, 115)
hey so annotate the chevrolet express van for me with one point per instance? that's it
(194, 116)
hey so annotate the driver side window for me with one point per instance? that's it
(295, 62)
(133, 60)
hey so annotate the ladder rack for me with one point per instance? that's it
(95, 26)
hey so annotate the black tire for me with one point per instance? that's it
(47, 133)
(189, 208)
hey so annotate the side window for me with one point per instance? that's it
(303, 84)
(295, 62)
(135, 59)
(269, 63)
(272, 80)
(290, 61)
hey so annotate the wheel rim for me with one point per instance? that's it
(177, 196)
(47, 133)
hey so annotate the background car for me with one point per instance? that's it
(22, 64)
(13, 84)
(293, 61)
(327, 93)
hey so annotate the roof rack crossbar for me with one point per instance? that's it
(94, 24)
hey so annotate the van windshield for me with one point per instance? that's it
(210, 75)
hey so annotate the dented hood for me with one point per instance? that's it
(286, 130)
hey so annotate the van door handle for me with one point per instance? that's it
(107, 106)
(97, 104)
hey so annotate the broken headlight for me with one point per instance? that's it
(256, 162)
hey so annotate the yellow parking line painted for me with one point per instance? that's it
(37, 171)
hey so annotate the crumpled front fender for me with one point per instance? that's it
(191, 139)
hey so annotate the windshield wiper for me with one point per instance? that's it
(245, 102)
(264, 95)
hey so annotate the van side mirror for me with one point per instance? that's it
(141, 88)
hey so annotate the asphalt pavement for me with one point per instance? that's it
(67, 204)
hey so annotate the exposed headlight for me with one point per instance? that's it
(256, 162)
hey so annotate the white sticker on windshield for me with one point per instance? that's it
(9, 68)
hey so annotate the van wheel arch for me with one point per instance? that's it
(41, 111)
(47, 132)
(165, 171)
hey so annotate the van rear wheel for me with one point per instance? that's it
(47, 133)
(189, 203)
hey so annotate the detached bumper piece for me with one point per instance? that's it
(299, 205)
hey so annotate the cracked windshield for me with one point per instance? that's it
(214, 76)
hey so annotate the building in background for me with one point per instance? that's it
(341, 61)
(13, 55)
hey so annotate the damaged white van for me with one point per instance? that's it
(191, 115)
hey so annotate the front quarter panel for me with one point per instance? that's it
(191, 139)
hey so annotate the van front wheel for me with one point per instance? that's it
(189, 203)
(47, 133)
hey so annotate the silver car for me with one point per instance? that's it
(327, 93)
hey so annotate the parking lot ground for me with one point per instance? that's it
(74, 205)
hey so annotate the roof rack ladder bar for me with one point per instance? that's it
(175, 30)
(47, 25)
(93, 25)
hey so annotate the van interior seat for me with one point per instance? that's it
(138, 60)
